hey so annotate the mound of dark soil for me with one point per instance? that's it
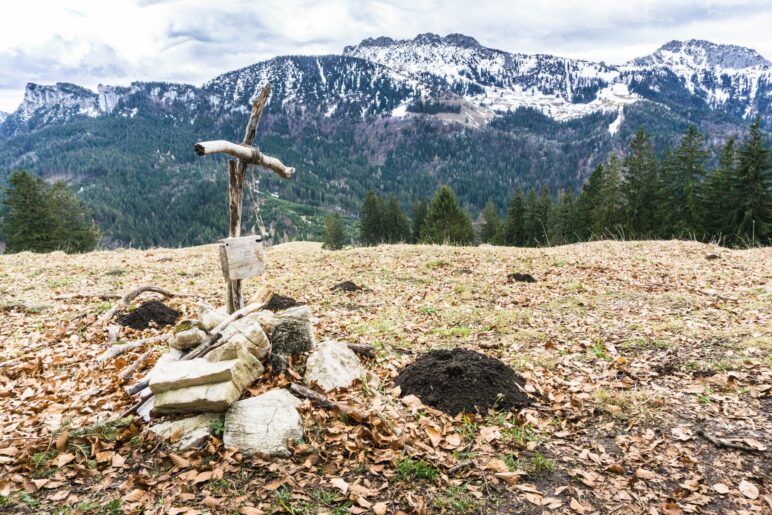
(280, 303)
(462, 380)
(346, 286)
(711, 257)
(520, 278)
(149, 312)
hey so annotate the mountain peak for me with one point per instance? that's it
(699, 53)
(425, 39)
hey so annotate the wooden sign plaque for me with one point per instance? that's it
(242, 257)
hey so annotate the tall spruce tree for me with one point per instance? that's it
(420, 209)
(683, 171)
(716, 196)
(588, 203)
(43, 218)
(562, 218)
(371, 226)
(396, 226)
(446, 222)
(751, 186)
(334, 234)
(640, 187)
(607, 212)
(514, 225)
(490, 228)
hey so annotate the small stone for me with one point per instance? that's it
(193, 431)
(293, 334)
(193, 372)
(188, 339)
(249, 333)
(215, 398)
(211, 318)
(206, 386)
(263, 424)
(333, 365)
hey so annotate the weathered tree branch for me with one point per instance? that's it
(254, 119)
(245, 153)
(117, 350)
(126, 299)
(128, 371)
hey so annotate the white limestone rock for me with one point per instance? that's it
(188, 339)
(248, 332)
(333, 365)
(264, 424)
(204, 385)
(193, 372)
(211, 318)
(193, 431)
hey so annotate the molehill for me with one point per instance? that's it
(462, 380)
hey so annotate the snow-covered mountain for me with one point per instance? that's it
(453, 78)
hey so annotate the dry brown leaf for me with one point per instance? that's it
(63, 459)
(61, 441)
(434, 435)
(179, 461)
(748, 489)
(380, 508)
(577, 506)
(643, 473)
(721, 488)
(135, 495)
(340, 484)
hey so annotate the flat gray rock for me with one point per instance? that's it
(194, 372)
(264, 424)
(333, 365)
(193, 431)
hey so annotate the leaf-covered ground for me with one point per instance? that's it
(642, 358)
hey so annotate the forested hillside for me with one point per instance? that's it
(482, 121)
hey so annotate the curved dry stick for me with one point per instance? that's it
(117, 350)
(128, 371)
(244, 153)
(126, 299)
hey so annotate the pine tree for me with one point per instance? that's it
(562, 218)
(640, 187)
(40, 218)
(371, 227)
(607, 213)
(514, 226)
(683, 172)
(446, 222)
(75, 231)
(490, 228)
(396, 226)
(588, 203)
(716, 198)
(334, 235)
(751, 186)
(420, 209)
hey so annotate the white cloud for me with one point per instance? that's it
(91, 41)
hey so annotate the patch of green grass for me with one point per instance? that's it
(468, 427)
(455, 499)
(704, 397)
(434, 264)
(640, 343)
(429, 310)
(520, 435)
(41, 459)
(217, 426)
(600, 351)
(512, 463)
(409, 468)
(541, 465)
(455, 332)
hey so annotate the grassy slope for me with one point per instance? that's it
(633, 347)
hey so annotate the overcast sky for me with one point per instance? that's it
(117, 41)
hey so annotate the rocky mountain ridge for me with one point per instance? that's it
(384, 78)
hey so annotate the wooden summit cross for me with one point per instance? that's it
(242, 257)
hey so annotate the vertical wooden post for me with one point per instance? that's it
(236, 172)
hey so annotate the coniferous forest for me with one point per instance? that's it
(635, 196)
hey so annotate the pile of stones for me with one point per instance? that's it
(209, 387)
